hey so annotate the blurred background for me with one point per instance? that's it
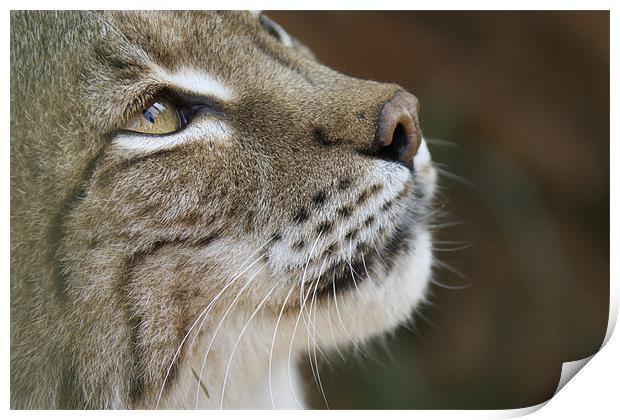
(519, 105)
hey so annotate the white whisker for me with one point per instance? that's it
(203, 315)
(316, 363)
(372, 283)
(351, 268)
(378, 253)
(204, 361)
(303, 277)
(342, 323)
(450, 268)
(273, 340)
(232, 353)
(331, 330)
(290, 350)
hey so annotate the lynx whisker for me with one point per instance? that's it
(447, 174)
(455, 249)
(372, 283)
(232, 353)
(351, 268)
(344, 328)
(441, 142)
(451, 269)
(310, 323)
(310, 320)
(316, 282)
(303, 304)
(273, 341)
(316, 363)
(290, 351)
(303, 277)
(437, 226)
(204, 361)
(331, 330)
(308, 335)
(240, 271)
(203, 315)
(425, 318)
(450, 287)
(378, 253)
(308, 338)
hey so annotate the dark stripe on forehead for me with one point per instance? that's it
(117, 57)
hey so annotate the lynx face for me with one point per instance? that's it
(197, 199)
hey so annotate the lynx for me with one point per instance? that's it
(196, 204)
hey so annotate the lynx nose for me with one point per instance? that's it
(398, 134)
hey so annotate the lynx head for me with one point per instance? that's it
(183, 180)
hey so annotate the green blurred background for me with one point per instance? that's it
(520, 101)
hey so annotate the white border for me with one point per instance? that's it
(324, 5)
(592, 394)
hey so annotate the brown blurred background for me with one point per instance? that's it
(520, 101)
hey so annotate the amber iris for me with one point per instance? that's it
(159, 117)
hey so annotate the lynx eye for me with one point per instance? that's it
(159, 117)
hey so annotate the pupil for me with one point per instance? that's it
(148, 115)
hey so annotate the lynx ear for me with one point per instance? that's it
(276, 30)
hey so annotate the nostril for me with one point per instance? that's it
(392, 149)
(399, 140)
(398, 133)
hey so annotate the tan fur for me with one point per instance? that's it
(116, 252)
